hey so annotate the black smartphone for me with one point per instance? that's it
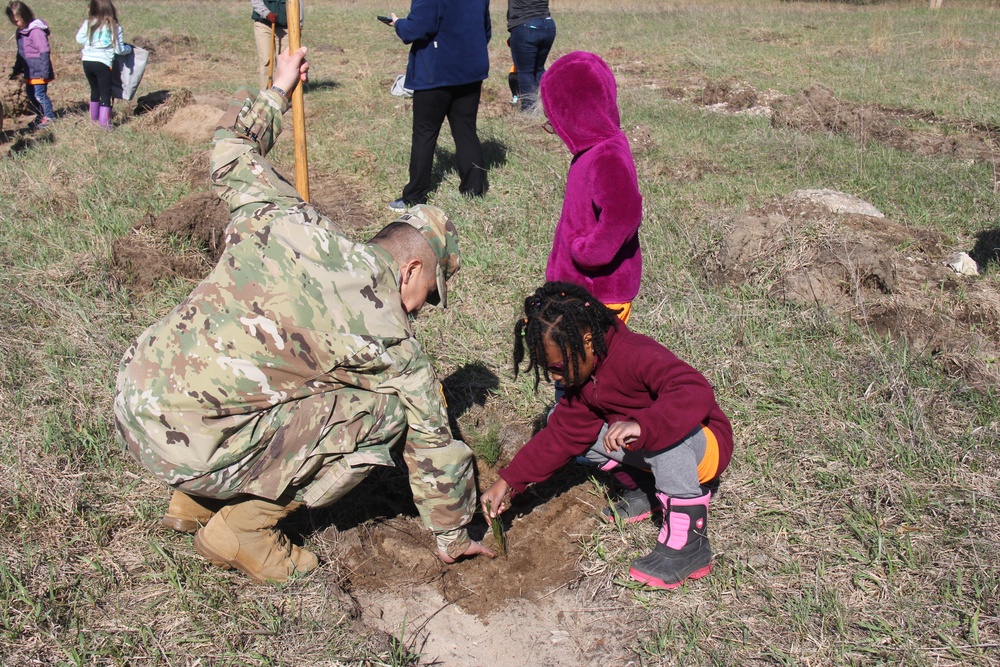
(384, 19)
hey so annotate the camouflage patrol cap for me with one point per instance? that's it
(442, 236)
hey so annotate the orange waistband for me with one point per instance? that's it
(625, 308)
(708, 469)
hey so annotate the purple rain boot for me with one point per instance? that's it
(682, 551)
(104, 117)
(94, 110)
(638, 502)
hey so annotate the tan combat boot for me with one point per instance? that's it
(243, 536)
(187, 514)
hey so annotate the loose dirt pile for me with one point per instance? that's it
(817, 108)
(186, 240)
(533, 607)
(799, 250)
(155, 250)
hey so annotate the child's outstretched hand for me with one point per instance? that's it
(620, 435)
(494, 501)
(289, 69)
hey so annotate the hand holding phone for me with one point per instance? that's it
(384, 19)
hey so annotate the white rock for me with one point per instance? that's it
(962, 264)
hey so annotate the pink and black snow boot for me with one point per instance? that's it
(682, 551)
(638, 502)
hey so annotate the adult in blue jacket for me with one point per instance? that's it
(447, 65)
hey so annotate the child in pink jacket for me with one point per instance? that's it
(596, 242)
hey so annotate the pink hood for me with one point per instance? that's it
(580, 98)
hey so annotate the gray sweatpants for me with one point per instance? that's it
(675, 468)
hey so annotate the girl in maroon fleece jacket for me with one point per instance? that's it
(663, 425)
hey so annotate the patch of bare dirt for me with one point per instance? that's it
(883, 274)
(166, 46)
(533, 608)
(194, 123)
(818, 109)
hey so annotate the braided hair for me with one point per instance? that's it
(563, 312)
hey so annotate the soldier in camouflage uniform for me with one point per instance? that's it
(292, 369)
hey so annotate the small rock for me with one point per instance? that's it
(962, 264)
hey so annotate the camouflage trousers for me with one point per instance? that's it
(285, 457)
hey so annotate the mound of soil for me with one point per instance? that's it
(818, 109)
(13, 103)
(194, 123)
(165, 46)
(145, 256)
(800, 251)
(156, 108)
(736, 97)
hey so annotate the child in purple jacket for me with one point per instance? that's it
(596, 242)
(33, 61)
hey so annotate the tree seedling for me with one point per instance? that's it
(499, 536)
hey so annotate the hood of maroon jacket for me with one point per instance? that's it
(640, 380)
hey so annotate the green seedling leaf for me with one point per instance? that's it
(498, 532)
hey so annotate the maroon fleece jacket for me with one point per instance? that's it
(638, 380)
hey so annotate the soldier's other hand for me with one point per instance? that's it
(290, 69)
(475, 549)
(272, 17)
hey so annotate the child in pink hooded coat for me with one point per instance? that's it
(596, 242)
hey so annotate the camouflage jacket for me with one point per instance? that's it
(292, 309)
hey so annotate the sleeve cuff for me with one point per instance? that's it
(283, 102)
(453, 542)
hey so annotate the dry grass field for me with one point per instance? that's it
(859, 521)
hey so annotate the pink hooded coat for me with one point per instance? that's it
(596, 242)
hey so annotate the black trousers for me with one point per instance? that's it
(99, 77)
(460, 105)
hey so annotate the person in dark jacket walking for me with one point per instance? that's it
(666, 430)
(532, 32)
(33, 61)
(446, 67)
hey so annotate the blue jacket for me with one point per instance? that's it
(448, 41)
